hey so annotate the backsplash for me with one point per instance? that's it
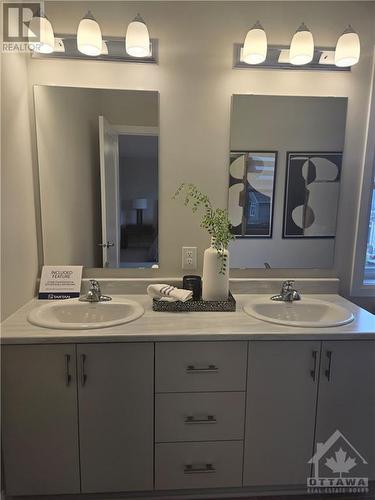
(137, 286)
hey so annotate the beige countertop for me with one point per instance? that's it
(163, 326)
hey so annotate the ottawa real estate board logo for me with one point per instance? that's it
(333, 464)
(20, 30)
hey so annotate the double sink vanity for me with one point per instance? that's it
(114, 397)
(100, 311)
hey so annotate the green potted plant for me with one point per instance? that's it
(216, 257)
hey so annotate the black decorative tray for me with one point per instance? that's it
(195, 305)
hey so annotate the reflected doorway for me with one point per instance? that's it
(138, 188)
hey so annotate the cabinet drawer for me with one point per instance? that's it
(198, 465)
(200, 366)
(203, 416)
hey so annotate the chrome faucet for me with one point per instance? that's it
(287, 293)
(95, 294)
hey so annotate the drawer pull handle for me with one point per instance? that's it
(83, 371)
(210, 419)
(313, 371)
(328, 370)
(199, 469)
(68, 377)
(207, 369)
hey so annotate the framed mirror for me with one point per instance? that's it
(98, 173)
(285, 167)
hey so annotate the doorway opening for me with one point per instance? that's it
(138, 188)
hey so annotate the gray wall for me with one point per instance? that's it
(68, 157)
(19, 246)
(282, 124)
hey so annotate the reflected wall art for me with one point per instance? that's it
(251, 193)
(311, 195)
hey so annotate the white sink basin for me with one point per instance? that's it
(72, 314)
(307, 312)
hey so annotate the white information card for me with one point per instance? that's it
(60, 282)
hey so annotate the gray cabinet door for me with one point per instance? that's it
(40, 424)
(280, 411)
(116, 406)
(347, 404)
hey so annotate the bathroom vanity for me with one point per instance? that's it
(182, 402)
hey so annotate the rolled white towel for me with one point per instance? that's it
(169, 293)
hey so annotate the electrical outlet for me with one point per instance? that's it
(189, 257)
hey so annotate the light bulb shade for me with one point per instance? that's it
(255, 47)
(137, 38)
(348, 48)
(140, 203)
(89, 36)
(43, 31)
(302, 47)
(104, 51)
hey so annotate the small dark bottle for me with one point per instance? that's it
(194, 283)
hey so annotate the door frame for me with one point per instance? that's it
(136, 130)
(357, 286)
(142, 131)
(102, 123)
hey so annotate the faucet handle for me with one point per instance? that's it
(94, 285)
(94, 293)
(287, 285)
(288, 292)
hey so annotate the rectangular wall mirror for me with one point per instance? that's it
(98, 175)
(284, 179)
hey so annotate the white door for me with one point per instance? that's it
(109, 179)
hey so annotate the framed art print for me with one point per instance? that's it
(251, 193)
(311, 195)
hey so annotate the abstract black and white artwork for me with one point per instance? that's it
(311, 195)
(251, 192)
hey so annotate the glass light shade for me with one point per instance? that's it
(89, 36)
(302, 47)
(140, 203)
(104, 51)
(255, 47)
(42, 29)
(137, 38)
(348, 48)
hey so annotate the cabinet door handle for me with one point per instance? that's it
(328, 371)
(206, 369)
(315, 359)
(199, 469)
(83, 373)
(68, 377)
(210, 419)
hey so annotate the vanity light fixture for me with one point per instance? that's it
(348, 48)
(255, 47)
(41, 27)
(59, 45)
(302, 46)
(104, 51)
(137, 38)
(89, 36)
